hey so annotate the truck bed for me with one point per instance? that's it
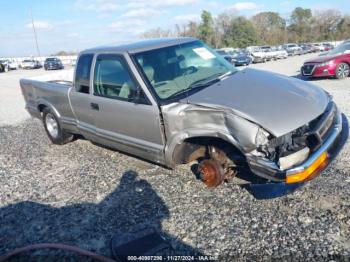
(49, 90)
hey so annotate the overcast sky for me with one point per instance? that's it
(73, 25)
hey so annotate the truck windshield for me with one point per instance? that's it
(177, 71)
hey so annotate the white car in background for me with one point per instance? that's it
(258, 55)
(30, 64)
(320, 47)
(280, 52)
(292, 49)
(9, 65)
(270, 53)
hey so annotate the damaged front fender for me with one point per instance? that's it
(183, 121)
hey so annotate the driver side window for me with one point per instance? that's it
(112, 79)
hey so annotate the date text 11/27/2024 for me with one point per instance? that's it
(172, 258)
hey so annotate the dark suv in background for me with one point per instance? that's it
(53, 63)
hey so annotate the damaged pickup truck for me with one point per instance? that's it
(175, 101)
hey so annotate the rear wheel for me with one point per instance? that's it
(342, 71)
(53, 128)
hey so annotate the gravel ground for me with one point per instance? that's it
(81, 194)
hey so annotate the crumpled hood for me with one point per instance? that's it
(277, 103)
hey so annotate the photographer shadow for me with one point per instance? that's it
(133, 207)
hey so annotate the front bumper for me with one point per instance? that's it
(313, 166)
(321, 158)
(331, 148)
(53, 66)
(242, 62)
(322, 71)
(28, 67)
(258, 59)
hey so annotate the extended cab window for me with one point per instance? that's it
(82, 75)
(112, 78)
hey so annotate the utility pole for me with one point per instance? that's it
(34, 31)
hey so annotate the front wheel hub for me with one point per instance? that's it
(212, 172)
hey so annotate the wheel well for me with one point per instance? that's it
(196, 147)
(41, 107)
(343, 62)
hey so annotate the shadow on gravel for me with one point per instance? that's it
(133, 207)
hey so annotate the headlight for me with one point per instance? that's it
(262, 137)
(325, 63)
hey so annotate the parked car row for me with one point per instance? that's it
(51, 63)
(332, 62)
(262, 54)
(253, 55)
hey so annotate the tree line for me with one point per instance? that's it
(264, 28)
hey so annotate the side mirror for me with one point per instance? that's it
(181, 58)
(138, 96)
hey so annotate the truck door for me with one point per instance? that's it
(80, 97)
(124, 117)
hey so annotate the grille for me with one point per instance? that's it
(308, 69)
(325, 127)
(322, 126)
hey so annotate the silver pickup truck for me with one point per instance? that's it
(176, 101)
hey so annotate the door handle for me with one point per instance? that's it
(95, 106)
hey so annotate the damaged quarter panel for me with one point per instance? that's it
(184, 121)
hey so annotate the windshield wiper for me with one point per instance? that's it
(202, 83)
(226, 74)
(212, 79)
(191, 88)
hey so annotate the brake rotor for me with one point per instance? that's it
(212, 172)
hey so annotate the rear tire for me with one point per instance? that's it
(53, 128)
(342, 71)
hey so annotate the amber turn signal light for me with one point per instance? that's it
(310, 172)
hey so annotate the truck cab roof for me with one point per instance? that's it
(141, 46)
